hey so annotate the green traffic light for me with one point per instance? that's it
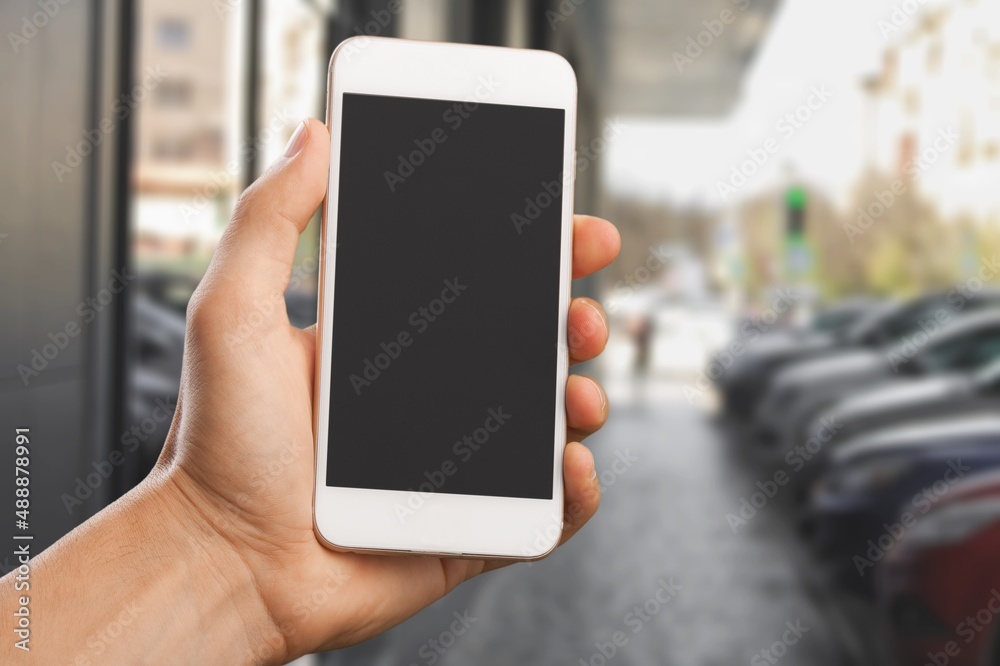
(796, 198)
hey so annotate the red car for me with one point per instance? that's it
(939, 591)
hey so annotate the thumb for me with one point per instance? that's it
(254, 259)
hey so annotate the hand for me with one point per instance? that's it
(238, 463)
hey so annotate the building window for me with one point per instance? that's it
(173, 33)
(173, 149)
(174, 93)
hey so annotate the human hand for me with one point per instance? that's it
(240, 455)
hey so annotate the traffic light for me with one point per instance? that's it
(798, 257)
(795, 204)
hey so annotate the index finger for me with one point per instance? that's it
(596, 243)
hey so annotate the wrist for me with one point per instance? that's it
(152, 581)
(224, 590)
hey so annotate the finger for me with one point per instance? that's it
(583, 491)
(582, 498)
(256, 252)
(588, 330)
(586, 406)
(596, 243)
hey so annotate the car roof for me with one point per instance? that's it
(841, 362)
(968, 323)
(946, 431)
(891, 308)
(873, 319)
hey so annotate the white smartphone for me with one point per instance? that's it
(444, 291)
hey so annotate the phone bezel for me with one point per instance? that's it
(366, 520)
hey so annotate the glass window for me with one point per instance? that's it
(173, 33)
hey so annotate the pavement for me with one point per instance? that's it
(659, 577)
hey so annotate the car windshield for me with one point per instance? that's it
(909, 319)
(871, 324)
(836, 319)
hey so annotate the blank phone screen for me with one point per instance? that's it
(446, 297)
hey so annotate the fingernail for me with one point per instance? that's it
(600, 392)
(593, 471)
(602, 317)
(297, 140)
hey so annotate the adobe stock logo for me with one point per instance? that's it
(463, 450)
(550, 192)
(420, 320)
(454, 118)
(87, 311)
(786, 127)
(714, 27)
(634, 622)
(31, 25)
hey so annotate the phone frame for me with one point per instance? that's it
(474, 526)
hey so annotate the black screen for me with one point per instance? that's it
(446, 297)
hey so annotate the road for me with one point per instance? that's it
(724, 596)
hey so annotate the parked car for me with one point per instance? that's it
(839, 316)
(879, 484)
(939, 588)
(800, 393)
(898, 401)
(742, 384)
(748, 380)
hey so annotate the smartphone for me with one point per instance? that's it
(444, 290)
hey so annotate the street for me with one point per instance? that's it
(659, 564)
(768, 230)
